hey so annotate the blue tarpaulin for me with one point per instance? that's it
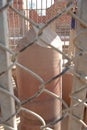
(73, 22)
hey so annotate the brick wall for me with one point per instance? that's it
(50, 13)
(17, 25)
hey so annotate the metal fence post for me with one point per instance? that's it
(77, 114)
(7, 106)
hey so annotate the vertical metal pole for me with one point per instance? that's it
(7, 106)
(81, 68)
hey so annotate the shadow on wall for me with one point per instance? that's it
(67, 81)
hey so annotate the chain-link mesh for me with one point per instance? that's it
(15, 36)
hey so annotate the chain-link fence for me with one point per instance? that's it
(35, 50)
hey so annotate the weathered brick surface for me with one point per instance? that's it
(17, 25)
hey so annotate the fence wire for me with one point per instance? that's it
(68, 67)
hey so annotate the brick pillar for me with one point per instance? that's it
(47, 63)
